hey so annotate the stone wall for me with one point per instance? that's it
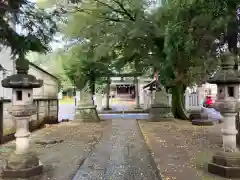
(47, 113)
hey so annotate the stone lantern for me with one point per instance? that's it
(22, 163)
(227, 162)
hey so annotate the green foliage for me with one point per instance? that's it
(176, 38)
(190, 29)
(112, 29)
(80, 67)
(42, 60)
(101, 84)
(169, 39)
(37, 26)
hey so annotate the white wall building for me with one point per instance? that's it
(49, 88)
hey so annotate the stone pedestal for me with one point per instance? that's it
(98, 102)
(86, 110)
(229, 132)
(160, 107)
(107, 102)
(22, 166)
(87, 114)
(225, 164)
(22, 163)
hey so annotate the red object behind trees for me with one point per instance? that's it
(209, 100)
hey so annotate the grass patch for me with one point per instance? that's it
(202, 160)
(66, 101)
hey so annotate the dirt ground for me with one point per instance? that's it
(181, 150)
(61, 159)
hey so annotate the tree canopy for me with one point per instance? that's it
(167, 38)
(181, 39)
(25, 27)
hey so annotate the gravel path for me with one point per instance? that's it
(61, 160)
(122, 154)
(181, 150)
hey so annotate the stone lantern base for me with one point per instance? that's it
(160, 108)
(87, 114)
(159, 111)
(137, 107)
(204, 122)
(22, 166)
(225, 164)
(107, 109)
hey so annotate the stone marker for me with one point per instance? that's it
(137, 98)
(160, 107)
(98, 102)
(86, 110)
(22, 163)
(107, 95)
(226, 163)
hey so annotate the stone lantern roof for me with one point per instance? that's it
(227, 74)
(22, 79)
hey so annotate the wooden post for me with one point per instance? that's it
(136, 93)
(1, 122)
(49, 108)
(37, 102)
(108, 94)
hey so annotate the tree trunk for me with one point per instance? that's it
(92, 84)
(178, 108)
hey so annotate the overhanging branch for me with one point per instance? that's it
(124, 10)
(110, 7)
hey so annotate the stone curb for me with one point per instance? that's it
(158, 173)
(120, 112)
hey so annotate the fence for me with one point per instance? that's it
(100, 101)
(192, 101)
(47, 113)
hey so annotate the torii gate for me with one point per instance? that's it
(133, 74)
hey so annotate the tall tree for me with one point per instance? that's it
(81, 68)
(178, 38)
(25, 27)
(192, 29)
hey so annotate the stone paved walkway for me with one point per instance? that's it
(122, 154)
